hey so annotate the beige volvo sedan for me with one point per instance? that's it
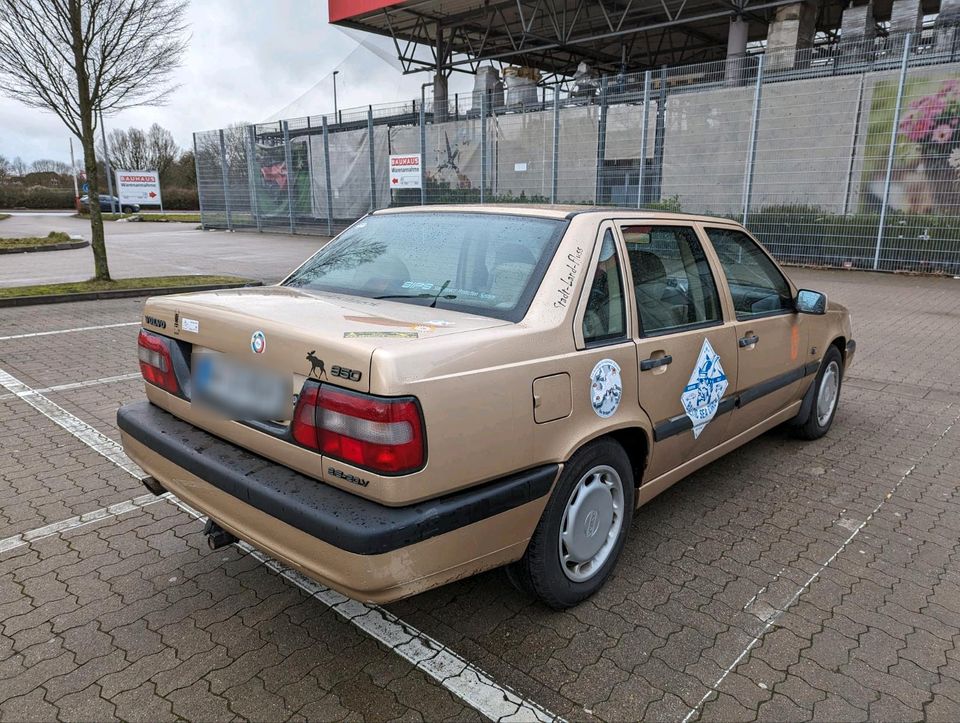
(444, 390)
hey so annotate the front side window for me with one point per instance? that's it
(671, 278)
(605, 318)
(480, 263)
(756, 284)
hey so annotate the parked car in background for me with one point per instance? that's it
(443, 390)
(110, 204)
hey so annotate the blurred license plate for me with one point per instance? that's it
(239, 391)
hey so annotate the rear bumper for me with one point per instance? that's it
(366, 550)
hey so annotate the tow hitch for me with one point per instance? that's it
(217, 537)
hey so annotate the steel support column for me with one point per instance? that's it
(373, 159)
(601, 139)
(891, 151)
(643, 137)
(326, 171)
(752, 143)
(554, 166)
(288, 161)
(223, 177)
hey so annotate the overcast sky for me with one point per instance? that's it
(248, 60)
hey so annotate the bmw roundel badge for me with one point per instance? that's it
(258, 342)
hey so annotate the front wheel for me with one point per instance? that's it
(826, 397)
(583, 528)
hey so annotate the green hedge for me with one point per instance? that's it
(35, 197)
(42, 197)
(809, 235)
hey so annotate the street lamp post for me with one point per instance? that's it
(336, 113)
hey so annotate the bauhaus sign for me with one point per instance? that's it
(405, 170)
(139, 187)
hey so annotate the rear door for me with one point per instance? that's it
(686, 351)
(770, 334)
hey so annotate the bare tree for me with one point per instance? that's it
(81, 58)
(18, 168)
(163, 151)
(4, 169)
(127, 150)
(49, 165)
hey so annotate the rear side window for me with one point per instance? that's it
(756, 284)
(481, 263)
(671, 278)
(605, 318)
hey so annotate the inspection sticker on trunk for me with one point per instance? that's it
(705, 389)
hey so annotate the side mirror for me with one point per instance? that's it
(811, 302)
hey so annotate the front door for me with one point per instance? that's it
(771, 336)
(686, 353)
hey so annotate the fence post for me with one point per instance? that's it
(223, 176)
(423, 153)
(373, 159)
(196, 167)
(251, 174)
(288, 162)
(326, 170)
(601, 139)
(905, 61)
(643, 137)
(752, 148)
(556, 144)
(483, 145)
(659, 135)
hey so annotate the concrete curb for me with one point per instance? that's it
(117, 294)
(65, 246)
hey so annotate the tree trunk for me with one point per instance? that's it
(97, 242)
(101, 269)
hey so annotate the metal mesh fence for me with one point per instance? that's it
(845, 155)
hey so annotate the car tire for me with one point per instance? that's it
(127, 209)
(826, 397)
(595, 492)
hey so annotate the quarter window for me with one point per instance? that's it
(605, 318)
(756, 284)
(671, 278)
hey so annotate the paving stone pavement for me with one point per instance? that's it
(834, 564)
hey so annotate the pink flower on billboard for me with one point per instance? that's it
(942, 133)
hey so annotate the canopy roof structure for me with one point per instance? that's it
(555, 35)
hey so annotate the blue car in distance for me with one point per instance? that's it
(106, 207)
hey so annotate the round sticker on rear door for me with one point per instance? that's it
(606, 387)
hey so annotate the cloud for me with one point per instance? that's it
(247, 60)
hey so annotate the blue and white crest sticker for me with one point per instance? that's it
(705, 389)
(606, 387)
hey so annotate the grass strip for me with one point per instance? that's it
(54, 237)
(141, 282)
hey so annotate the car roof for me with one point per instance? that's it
(552, 210)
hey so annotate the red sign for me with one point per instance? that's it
(343, 9)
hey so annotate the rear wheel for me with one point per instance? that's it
(127, 209)
(826, 397)
(583, 528)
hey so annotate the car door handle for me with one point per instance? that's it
(652, 363)
(748, 340)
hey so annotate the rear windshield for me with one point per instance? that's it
(475, 262)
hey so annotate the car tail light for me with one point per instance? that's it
(156, 366)
(375, 433)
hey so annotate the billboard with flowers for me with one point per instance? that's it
(926, 171)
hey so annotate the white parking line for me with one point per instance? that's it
(67, 331)
(464, 680)
(82, 385)
(778, 612)
(56, 528)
